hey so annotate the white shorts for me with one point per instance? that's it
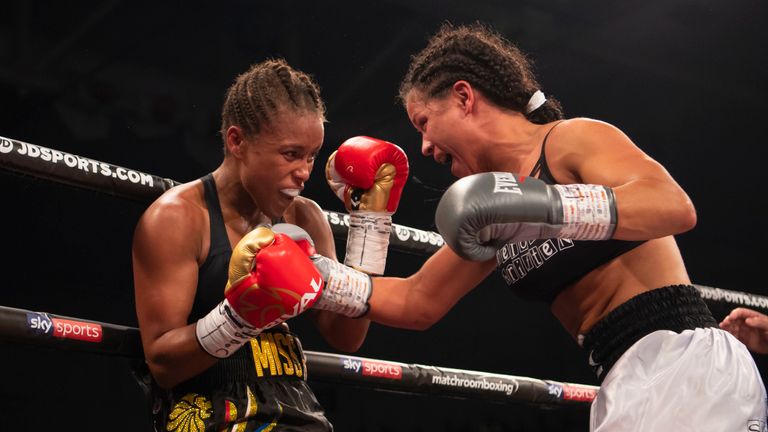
(697, 380)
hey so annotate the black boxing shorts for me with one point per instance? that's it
(262, 387)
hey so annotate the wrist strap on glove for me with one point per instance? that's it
(222, 331)
(589, 212)
(346, 291)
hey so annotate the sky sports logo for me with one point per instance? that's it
(378, 369)
(63, 328)
(571, 392)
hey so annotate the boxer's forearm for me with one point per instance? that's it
(419, 301)
(397, 302)
(342, 333)
(176, 356)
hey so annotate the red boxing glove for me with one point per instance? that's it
(368, 175)
(271, 279)
(346, 290)
(282, 284)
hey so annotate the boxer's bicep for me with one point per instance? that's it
(599, 153)
(650, 203)
(165, 271)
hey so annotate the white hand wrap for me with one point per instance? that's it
(223, 331)
(587, 212)
(346, 291)
(368, 241)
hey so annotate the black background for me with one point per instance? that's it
(140, 84)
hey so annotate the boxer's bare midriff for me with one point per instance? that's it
(654, 264)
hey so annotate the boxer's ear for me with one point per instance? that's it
(234, 141)
(464, 95)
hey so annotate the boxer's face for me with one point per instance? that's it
(277, 162)
(444, 132)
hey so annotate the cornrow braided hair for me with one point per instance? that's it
(263, 91)
(480, 56)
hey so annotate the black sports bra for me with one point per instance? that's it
(540, 269)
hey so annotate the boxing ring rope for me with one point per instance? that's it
(38, 328)
(85, 173)
(30, 159)
(74, 334)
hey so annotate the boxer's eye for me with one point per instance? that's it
(422, 125)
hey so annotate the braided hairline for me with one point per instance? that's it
(233, 104)
(479, 57)
(284, 75)
(255, 114)
(267, 88)
(482, 57)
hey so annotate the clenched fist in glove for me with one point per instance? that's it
(368, 175)
(346, 290)
(271, 279)
(480, 213)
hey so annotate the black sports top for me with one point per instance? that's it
(211, 280)
(212, 275)
(262, 386)
(540, 269)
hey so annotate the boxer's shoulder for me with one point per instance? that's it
(181, 209)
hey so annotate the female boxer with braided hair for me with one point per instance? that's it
(225, 361)
(570, 212)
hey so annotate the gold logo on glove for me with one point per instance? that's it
(374, 199)
(243, 256)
